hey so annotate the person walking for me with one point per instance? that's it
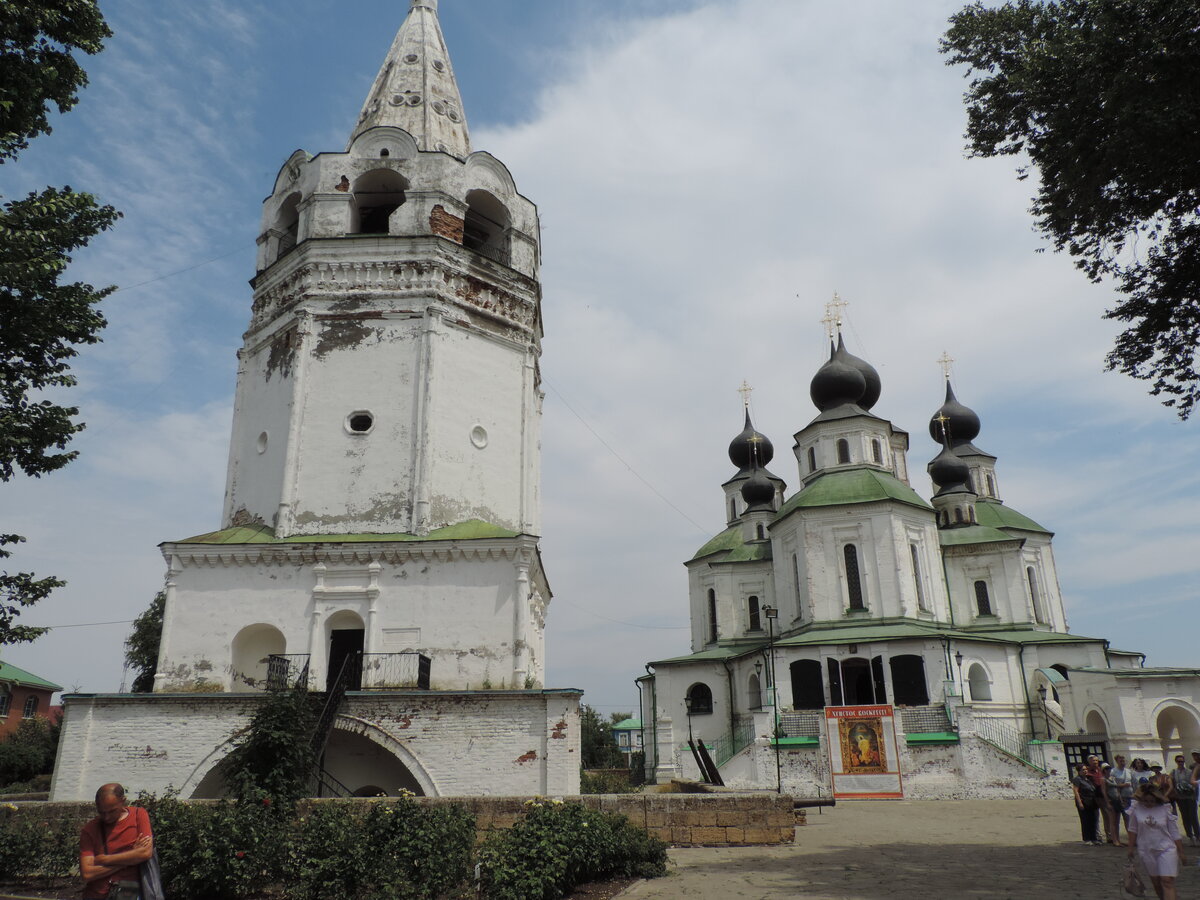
(113, 845)
(1085, 804)
(1185, 799)
(1154, 834)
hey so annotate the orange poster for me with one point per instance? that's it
(862, 753)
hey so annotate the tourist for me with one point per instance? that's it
(1096, 774)
(1085, 804)
(113, 845)
(1112, 815)
(1154, 833)
(1185, 798)
(1140, 773)
(1121, 776)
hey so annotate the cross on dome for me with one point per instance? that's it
(946, 361)
(745, 390)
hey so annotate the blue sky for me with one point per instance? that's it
(708, 173)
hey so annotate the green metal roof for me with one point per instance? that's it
(9, 672)
(713, 654)
(626, 725)
(972, 534)
(1140, 672)
(471, 530)
(997, 515)
(730, 543)
(851, 486)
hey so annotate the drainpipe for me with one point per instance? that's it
(637, 682)
(653, 717)
(1025, 685)
(949, 599)
(729, 684)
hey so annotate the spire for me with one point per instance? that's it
(416, 90)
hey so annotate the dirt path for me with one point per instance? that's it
(913, 850)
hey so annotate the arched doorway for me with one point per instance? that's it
(365, 768)
(346, 635)
(1178, 731)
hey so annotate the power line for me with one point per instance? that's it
(167, 275)
(87, 624)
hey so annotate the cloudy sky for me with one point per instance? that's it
(708, 174)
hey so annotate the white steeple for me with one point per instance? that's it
(416, 89)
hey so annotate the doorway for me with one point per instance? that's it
(345, 648)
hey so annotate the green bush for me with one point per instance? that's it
(32, 849)
(605, 781)
(560, 845)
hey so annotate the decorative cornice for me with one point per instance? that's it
(361, 554)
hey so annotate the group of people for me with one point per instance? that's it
(1146, 799)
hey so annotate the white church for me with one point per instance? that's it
(380, 531)
(944, 615)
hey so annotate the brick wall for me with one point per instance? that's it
(446, 225)
(16, 708)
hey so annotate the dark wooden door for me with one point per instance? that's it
(1078, 752)
(345, 647)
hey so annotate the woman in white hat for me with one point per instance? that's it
(1154, 834)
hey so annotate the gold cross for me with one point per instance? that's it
(945, 361)
(942, 419)
(745, 390)
(835, 308)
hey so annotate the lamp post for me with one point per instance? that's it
(772, 613)
(758, 667)
(958, 658)
(1041, 692)
(687, 702)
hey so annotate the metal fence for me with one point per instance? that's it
(286, 671)
(1004, 736)
(391, 671)
(801, 723)
(925, 720)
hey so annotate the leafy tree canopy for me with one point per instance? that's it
(1102, 98)
(141, 647)
(598, 746)
(42, 320)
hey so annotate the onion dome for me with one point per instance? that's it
(839, 381)
(758, 489)
(871, 396)
(750, 446)
(949, 472)
(961, 422)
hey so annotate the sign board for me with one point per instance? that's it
(862, 753)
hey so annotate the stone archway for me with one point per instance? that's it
(367, 755)
(1178, 729)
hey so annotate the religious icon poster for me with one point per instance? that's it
(862, 753)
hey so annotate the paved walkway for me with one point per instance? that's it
(914, 850)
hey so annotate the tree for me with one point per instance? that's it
(29, 751)
(1102, 98)
(141, 647)
(598, 747)
(41, 319)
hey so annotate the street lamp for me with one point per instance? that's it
(958, 658)
(772, 613)
(1041, 692)
(758, 667)
(687, 702)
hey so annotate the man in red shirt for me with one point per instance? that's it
(113, 845)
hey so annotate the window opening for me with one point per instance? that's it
(796, 570)
(5, 703)
(360, 422)
(759, 533)
(836, 695)
(807, 690)
(982, 601)
(853, 581)
(978, 684)
(917, 580)
(876, 452)
(377, 195)
(702, 700)
(991, 482)
(909, 687)
(1038, 615)
(755, 617)
(712, 614)
(843, 450)
(812, 459)
(755, 693)
(486, 227)
(31, 705)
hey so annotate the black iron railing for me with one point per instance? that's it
(393, 671)
(286, 671)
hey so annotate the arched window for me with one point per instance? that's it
(377, 195)
(1038, 615)
(876, 452)
(796, 572)
(843, 451)
(486, 226)
(856, 681)
(732, 509)
(812, 459)
(754, 693)
(978, 683)
(251, 651)
(958, 515)
(854, 588)
(1061, 670)
(5, 701)
(922, 604)
(31, 706)
(991, 486)
(701, 699)
(807, 689)
(908, 681)
(755, 618)
(287, 223)
(712, 615)
(982, 602)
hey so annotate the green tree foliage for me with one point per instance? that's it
(42, 320)
(29, 751)
(598, 746)
(1102, 99)
(273, 758)
(141, 647)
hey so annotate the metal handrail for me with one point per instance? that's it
(286, 671)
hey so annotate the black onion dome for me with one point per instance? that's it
(962, 423)
(871, 396)
(838, 382)
(742, 449)
(949, 472)
(758, 490)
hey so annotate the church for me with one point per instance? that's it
(855, 638)
(380, 537)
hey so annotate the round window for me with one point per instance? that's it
(360, 422)
(479, 436)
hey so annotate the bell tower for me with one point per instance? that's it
(388, 382)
